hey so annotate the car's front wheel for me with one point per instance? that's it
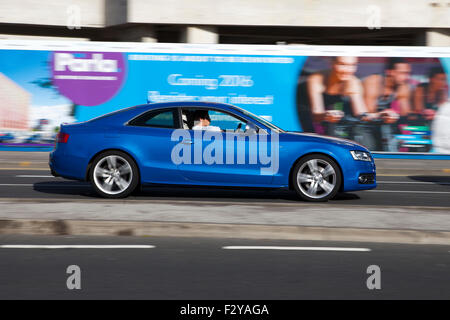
(316, 177)
(114, 174)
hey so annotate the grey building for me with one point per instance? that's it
(344, 22)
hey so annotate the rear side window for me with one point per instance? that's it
(167, 118)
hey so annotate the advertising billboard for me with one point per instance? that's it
(391, 99)
(14, 103)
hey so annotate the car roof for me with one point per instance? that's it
(204, 104)
(126, 113)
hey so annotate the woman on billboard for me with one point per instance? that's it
(429, 96)
(388, 97)
(331, 102)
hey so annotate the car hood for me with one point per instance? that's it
(315, 136)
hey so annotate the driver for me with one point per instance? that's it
(202, 121)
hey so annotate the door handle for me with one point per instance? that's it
(186, 142)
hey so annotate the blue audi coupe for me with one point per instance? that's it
(206, 144)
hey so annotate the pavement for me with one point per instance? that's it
(410, 205)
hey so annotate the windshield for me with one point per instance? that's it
(262, 120)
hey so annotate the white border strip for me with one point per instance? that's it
(296, 248)
(32, 176)
(226, 49)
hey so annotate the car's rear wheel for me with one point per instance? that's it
(114, 174)
(316, 177)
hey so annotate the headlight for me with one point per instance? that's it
(361, 155)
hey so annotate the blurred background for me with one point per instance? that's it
(36, 99)
(321, 22)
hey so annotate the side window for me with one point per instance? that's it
(167, 118)
(225, 121)
(215, 120)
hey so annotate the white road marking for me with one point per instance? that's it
(32, 161)
(379, 182)
(409, 191)
(43, 185)
(411, 182)
(404, 174)
(32, 176)
(26, 246)
(87, 185)
(296, 248)
(24, 169)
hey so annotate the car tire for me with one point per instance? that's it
(317, 178)
(114, 174)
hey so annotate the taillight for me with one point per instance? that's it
(62, 137)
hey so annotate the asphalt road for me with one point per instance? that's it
(200, 268)
(407, 183)
(194, 268)
(420, 190)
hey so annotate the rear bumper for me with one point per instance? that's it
(54, 173)
(66, 167)
(51, 164)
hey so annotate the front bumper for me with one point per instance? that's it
(357, 169)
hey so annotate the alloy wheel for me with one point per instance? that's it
(113, 174)
(316, 178)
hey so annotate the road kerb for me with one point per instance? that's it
(210, 230)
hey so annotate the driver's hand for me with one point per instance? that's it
(389, 116)
(333, 116)
(370, 117)
(428, 114)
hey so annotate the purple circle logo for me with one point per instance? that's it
(88, 78)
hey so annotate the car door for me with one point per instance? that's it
(151, 136)
(226, 157)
